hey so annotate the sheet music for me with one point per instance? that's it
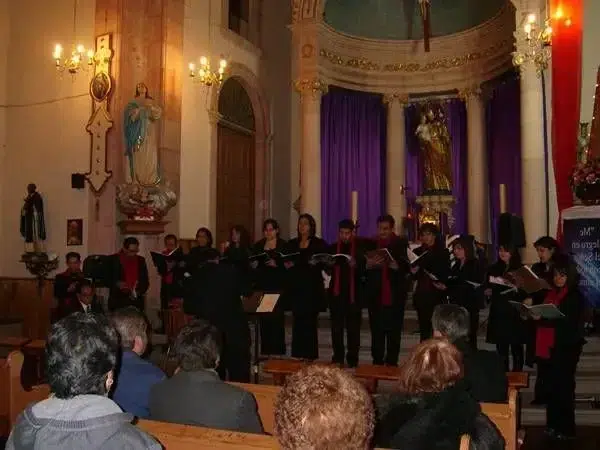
(268, 303)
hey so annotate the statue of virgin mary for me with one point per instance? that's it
(141, 138)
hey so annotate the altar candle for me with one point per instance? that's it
(354, 209)
(503, 205)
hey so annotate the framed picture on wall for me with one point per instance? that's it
(74, 232)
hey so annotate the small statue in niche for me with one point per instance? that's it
(33, 225)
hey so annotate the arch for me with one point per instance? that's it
(262, 136)
(235, 105)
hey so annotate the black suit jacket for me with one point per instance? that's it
(62, 281)
(117, 276)
(75, 306)
(485, 374)
(202, 399)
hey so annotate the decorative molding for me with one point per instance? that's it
(315, 86)
(400, 98)
(101, 120)
(129, 227)
(307, 10)
(473, 91)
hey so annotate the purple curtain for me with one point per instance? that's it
(456, 115)
(353, 145)
(456, 112)
(503, 125)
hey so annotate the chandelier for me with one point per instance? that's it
(205, 75)
(538, 39)
(80, 59)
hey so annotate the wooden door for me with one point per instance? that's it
(235, 181)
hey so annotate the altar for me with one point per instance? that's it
(581, 227)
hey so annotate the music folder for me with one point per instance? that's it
(260, 303)
(545, 311)
(382, 254)
(524, 278)
(160, 260)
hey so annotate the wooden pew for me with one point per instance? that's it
(187, 437)
(15, 398)
(504, 416)
(265, 396)
(280, 369)
(371, 375)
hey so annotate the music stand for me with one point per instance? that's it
(256, 306)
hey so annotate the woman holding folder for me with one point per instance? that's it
(269, 276)
(558, 347)
(505, 327)
(305, 289)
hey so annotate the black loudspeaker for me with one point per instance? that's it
(77, 180)
(511, 231)
(99, 269)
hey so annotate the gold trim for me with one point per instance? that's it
(401, 99)
(315, 86)
(412, 67)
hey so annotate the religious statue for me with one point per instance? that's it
(435, 143)
(145, 196)
(141, 138)
(33, 227)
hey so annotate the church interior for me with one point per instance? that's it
(148, 118)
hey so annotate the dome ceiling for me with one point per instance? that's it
(401, 19)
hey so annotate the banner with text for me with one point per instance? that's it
(582, 240)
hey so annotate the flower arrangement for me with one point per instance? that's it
(585, 180)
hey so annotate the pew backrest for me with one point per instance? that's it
(265, 396)
(504, 416)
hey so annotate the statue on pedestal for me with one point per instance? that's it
(436, 149)
(33, 226)
(145, 196)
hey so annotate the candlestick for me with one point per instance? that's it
(503, 203)
(354, 207)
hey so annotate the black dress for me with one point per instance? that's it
(462, 292)
(271, 280)
(426, 296)
(506, 329)
(305, 293)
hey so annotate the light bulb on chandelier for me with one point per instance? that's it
(79, 60)
(205, 75)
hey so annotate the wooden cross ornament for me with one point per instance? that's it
(426, 16)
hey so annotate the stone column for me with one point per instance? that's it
(310, 180)
(396, 158)
(477, 169)
(533, 163)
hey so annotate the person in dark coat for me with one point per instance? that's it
(386, 291)
(435, 261)
(130, 280)
(269, 277)
(65, 284)
(305, 291)
(85, 300)
(465, 280)
(213, 292)
(432, 407)
(237, 249)
(484, 372)
(505, 327)
(559, 343)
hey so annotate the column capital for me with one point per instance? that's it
(315, 87)
(470, 92)
(393, 98)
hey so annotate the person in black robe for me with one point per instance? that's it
(559, 343)
(130, 280)
(505, 327)
(65, 284)
(345, 306)
(269, 277)
(435, 261)
(170, 282)
(387, 290)
(464, 281)
(213, 291)
(237, 249)
(305, 291)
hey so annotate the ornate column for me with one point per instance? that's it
(478, 212)
(533, 163)
(310, 161)
(396, 157)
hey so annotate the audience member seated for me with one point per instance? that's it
(196, 395)
(65, 283)
(432, 408)
(81, 353)
(323, 408)
(85, 300)
(136, 375)
(485, 373)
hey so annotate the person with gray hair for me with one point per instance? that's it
(136, 375)
(484, 369)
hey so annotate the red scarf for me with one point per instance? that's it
(337, 271)
(386, 289)
(130, 269)
(545, 336)
(168, 277)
